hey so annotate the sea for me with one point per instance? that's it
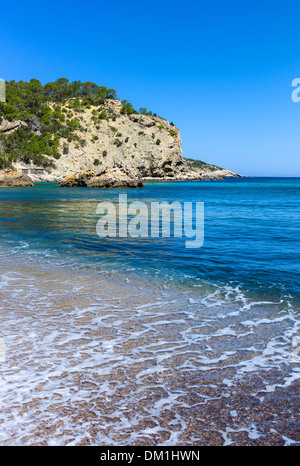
(141, 340)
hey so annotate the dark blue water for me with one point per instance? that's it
(251, 234)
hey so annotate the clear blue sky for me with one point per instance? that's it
(221, 71)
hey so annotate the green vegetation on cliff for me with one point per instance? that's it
(199, 165)
(51, 112)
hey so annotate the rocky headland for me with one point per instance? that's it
(76, 143)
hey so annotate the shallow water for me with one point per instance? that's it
(104, 348)
(90, 360)
(251, 233)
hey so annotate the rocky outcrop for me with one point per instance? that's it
(77, 179)
(12, 178)
(206, 172)
(221, 174)
(8, 127)
(108, 178)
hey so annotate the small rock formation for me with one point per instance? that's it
(8, 127)
(77, 179)
(12, 178)
(215, 175)
(108, 178)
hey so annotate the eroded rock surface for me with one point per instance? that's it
(9, 178)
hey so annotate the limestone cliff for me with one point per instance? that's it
(145, 147)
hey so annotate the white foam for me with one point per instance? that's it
(91, 359)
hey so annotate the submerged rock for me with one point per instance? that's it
(12, 178)
(98, 182)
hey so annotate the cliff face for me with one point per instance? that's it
(142, 146)
(146, 146)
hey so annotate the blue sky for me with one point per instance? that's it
(221, 71)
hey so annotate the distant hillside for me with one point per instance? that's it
(199, 165)
(208, 171)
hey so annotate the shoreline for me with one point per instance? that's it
(119, 342)
(99, 361)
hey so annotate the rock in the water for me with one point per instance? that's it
(107, 178)
(77, 179)
(9, 178)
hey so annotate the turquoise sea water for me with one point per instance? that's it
(251, 233)
(141, 341)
